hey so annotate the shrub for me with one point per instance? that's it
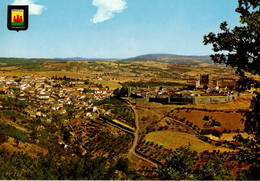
(216, 133)
(206, 118)
(3, 137)
(122, 164)
(11, 131)
(113, 101)
(217, 123)
(203, 138)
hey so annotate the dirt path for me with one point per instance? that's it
(132, 152)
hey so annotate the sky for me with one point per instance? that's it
(114, 28)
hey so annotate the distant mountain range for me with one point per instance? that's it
(159, 55)
(81, 59)
(168, 58)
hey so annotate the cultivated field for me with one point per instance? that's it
(173, 140)
(229, 121)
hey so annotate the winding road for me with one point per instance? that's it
(132, 153)
(136, 134)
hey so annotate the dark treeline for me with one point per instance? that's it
(20, 166)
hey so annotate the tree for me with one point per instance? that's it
(122, 164)
(66, 135)
(133, 175)
(46, 168)
(72, 168)
(34, 134)
(212, 170)
(242, 44)
(121, 92)
(242, 47)
(3, 137)
(179, 166)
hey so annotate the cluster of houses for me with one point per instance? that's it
(52, 93)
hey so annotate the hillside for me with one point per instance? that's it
(172, 58)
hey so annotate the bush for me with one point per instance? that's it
(217, 123)
(218, 144)
(113, 101)
(11, 131)
(47, 139)
(3, 137)
(122, 164)
(216, 133)
(206, 118)
(203, 138)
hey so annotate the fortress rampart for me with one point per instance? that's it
(186, 100)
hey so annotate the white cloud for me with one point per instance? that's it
(107, 9)
(34, 9)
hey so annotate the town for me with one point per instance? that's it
(53, 93)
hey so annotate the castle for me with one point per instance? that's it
(204, 80)
(18, 19)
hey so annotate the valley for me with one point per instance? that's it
(113, 109)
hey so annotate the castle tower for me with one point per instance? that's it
(197, 83)
(206, 80)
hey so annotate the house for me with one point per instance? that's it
(44, 96)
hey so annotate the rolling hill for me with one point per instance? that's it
(172, 58)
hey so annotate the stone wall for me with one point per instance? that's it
(187, 100)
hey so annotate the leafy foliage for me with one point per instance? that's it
(122, 164)
(3, 137)
(253, 117)
(179, 166)
(121, 92)
(11, 131)
(113, 101)
(184, 164)
(242, 45)
(48, 140)
(125, 113)
(14, 103)
(20, 166)
(212, 170)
